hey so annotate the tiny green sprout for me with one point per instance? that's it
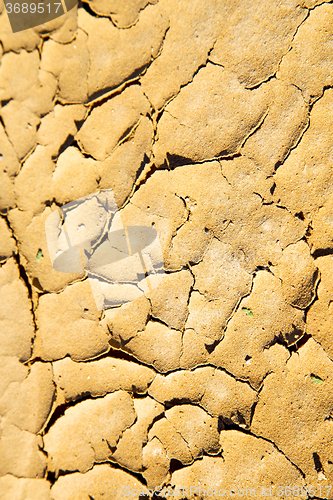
(248, 312)
(315, 379)
(39, 255)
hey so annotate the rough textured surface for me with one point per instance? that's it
(92, 443)
(202, 367)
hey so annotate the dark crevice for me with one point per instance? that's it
(5, 101)
(113, 91)
(59, 411)
(117, 354)
(175, 465)
(179, 402)
(253, 409)
(300, 215)
(258, 85)
(317, 462)
(155, 319)
(36, 284)
(290, 346)
(322, 252)
(211, 347)
(229, 425)
(51, 477)
(262, 268)
(302, 341)
(23, 275)
(87, 8)
(148, 175)
(49, 203)
(68, 142)
(175, 161)
(278, 164)
(220, 425)
(79, 123)
(115, 465)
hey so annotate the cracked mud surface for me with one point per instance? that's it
(210, 121)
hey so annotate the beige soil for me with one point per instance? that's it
(211, 121)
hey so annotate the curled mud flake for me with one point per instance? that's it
(101, 480)
(21, 453)
(312, 47)
(304, 408)
(187, 432)
(319, 317)
(304, 181)
(158, 346)
(27, 404)
(17, 330)
(282, 128)
(69, 63)
(7, 242)
(124, 13)
(214, 96)
(97, 378)
(275, 322)
(11, 487)
(193, 29)
(31, 236)
(245, 460)
(255, 55)
(21, 125)
(117, 56)
(129, 452)
(84, 436)
(77, 333)
(131, 105)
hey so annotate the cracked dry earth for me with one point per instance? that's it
(211, 121)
